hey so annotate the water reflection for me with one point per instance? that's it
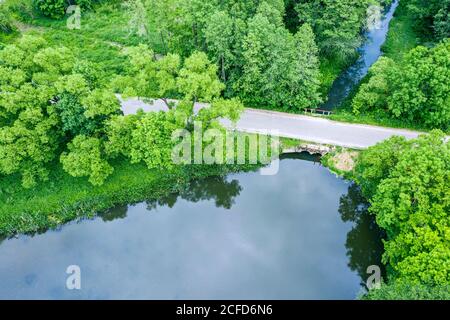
(119, 212)
(364, 244)
(244, 236)
(219, 189)
(315, 158)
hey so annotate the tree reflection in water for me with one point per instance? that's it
(217, 188)
(364, 242)
(119, 212)
(220, 190)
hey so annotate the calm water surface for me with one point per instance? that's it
(301, 234)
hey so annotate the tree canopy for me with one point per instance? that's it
(415, 89)
(408, 184)
(53, 107)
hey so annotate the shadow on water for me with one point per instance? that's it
(279, 243)
(216, 188)
(301, 156)
(364, 241)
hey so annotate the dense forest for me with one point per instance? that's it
(59, 111)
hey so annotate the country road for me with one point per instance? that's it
(308, 128)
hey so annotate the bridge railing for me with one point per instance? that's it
(318, 111)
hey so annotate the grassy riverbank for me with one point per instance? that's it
(64, 198)
(401, 37)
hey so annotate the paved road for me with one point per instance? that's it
(307, 128)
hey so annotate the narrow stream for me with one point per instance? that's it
(301, 234)
(369, 53)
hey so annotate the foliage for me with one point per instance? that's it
(432, 16)
(56, 9)
(137, 16)
(86, 158)
(46, 101)
(151, 140)
(280, 69)
(337, 24)
(119, 130)
(230, 33)
(30, 138)
(197, 80)
(140, 73)
(408, 184)
(415, 90)
(6, 22)
(51, 8)
(219, 39)
(403, 291)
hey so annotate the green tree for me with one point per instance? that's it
(197, 80)
(166, 77)
(420, 91)
(119, 130)
(405, 291)
(86, 158)
(408, 184)
(372, 95)
(337, 24)
(152, 140)
(279, 69)
(415, 90)
(219, 38)
(431, 16)
(140, 73)
(29, 135)
(48, 97)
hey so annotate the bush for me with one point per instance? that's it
(405, 291)
(56, 9)
(6, 25)
(51, 8)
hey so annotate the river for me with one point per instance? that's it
(368, 54)
(301, 234)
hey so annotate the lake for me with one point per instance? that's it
(300, 234)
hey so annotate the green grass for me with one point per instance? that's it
(63, 198)
(330, 69)
(287, 143)
(104, 32)
(375, 119)
(401, 37)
